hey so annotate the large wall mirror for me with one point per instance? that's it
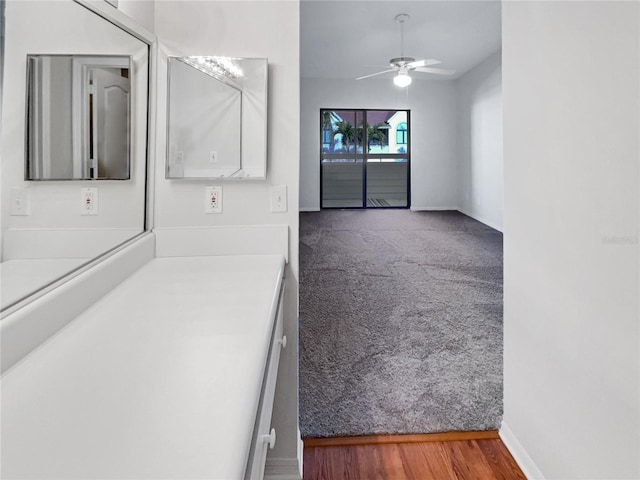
(217, 117)
(75, 105)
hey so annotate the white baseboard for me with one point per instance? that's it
(480, 219)
(520, 455)
(432, 209)
(300, 454)
(309, 209)
(286, 468)
(282, 469)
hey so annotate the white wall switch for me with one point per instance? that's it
(213, 199)
(278, 196)
(213, 156)
(19, 201)
(180, 158)
(89, 201)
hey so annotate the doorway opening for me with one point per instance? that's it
(365, 158)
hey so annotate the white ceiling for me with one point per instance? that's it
(348, 39)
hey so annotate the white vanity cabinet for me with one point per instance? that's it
(170, 375)
(264, 435)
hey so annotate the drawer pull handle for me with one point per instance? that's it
(270, 439)
(283, 342)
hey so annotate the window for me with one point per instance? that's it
(327, 134)
(401, 134)
(365, 158)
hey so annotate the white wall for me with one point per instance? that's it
(142, 11)
(433, 138)
(571, 149)
(479, 142)
(245, 29)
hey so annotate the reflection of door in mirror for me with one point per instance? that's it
(78, 117)
(101, 91)
(110, 108)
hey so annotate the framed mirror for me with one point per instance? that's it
(78, 117)
(50, 230)
(217, 118)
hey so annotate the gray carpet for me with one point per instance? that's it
(400, 323)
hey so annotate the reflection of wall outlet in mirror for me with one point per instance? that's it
(19, 201)
(213, 199)
(213, 156)
(278, 195)
(89, 201)
(180, 158)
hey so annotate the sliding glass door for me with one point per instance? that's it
(342, 159)
(364, 159)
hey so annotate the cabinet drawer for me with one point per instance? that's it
(262, 432)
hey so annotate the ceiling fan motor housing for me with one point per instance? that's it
(400, 62)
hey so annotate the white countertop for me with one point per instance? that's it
(159, 379)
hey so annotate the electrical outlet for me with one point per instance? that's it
(278, 196)
(213, 199)
(213, 156)
(19, 201)
(89, 201)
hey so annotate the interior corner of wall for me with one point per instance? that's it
(519, 454)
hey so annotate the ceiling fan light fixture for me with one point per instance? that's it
(403, 65)
(402, 79)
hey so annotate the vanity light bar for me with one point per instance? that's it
(216, 66)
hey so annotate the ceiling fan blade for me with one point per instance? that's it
(424, 63)
(374, 74)
(439, 71)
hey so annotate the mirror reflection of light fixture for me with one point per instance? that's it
(402, 79)
(219, 67)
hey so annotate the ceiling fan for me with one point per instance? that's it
(403, 65)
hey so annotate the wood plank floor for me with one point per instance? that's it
(449, 456)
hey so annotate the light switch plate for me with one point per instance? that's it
(278, 197)
(19, 201)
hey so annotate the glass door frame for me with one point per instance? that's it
(365, 155)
